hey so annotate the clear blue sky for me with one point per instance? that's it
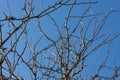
(112, 26)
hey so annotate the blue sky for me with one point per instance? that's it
(112, 26)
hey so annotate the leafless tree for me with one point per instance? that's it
(31, 50)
